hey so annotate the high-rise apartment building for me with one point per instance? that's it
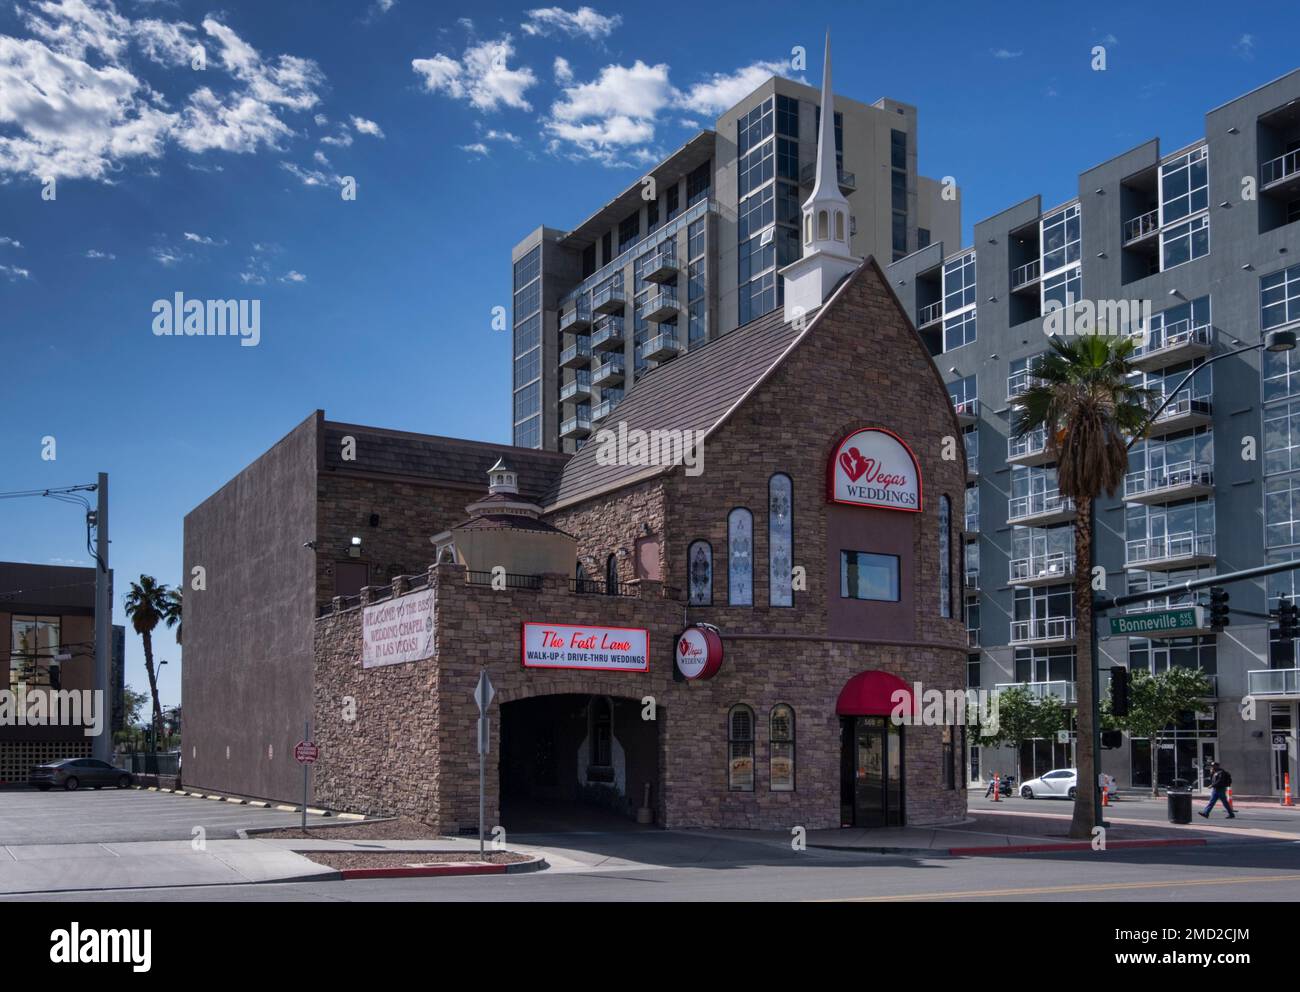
(1208, 236)
(694, 248)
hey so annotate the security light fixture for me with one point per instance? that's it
(309, 545)
(1279, 341)
(1177, 293)
(355, 550)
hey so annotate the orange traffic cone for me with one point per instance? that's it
(997, 787)
(1105, 796)
(1286, 789)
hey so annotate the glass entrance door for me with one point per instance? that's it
(871, 772)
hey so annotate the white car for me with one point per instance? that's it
(1057, 784)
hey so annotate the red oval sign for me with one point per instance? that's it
(699, 653)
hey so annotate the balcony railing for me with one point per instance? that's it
(659, 306)
(1055, 567)
(512, 580)
(972, 637)
(608, 299)
(1184, 406)
(1062, 690)
(1170, 547)
(1032, 444)
(578, 425)
(1042, 630)
(1273, 682)
(608, 371)
(1025, 274)
(808, 176)
(606, 406)
(1179, 475)
(607, 334)
(1019, 382)
(579, 387)
(973, 462)
(660, 263)
(577, 317)
(1282, 167)
(1141, 226)
(929, 314)
(1039, 504)
(972, 578)
(576, 353)
(661, 347)
(1178, 334)
(968, 411)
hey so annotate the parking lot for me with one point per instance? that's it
(117, 816)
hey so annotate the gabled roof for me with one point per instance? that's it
(693, 392)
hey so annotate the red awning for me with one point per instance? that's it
(872, 694)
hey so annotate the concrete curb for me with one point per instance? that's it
(251, 833)
(445, 870)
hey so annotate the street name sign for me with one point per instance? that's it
(1158, 622)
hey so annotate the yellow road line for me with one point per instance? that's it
(1056, 889)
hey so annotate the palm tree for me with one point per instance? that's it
(146, 605)
(1084, 398)
(172, 617)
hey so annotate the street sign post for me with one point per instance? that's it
(305, 752)
(1158, 622)
(483, 693)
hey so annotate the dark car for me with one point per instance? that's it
(73, 773)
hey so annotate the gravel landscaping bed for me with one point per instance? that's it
(400, 829)
(400, 859)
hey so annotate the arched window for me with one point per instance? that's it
(611, 575)
(780, 725)
(740, 557)
(740, 749)
(823, 225)
(839, 225)
(583, 581)
(699, 558)
(780, 539)
(807, 229)
(945, 557)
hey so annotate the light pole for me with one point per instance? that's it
(1274, 341)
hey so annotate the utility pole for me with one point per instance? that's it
(102, 747)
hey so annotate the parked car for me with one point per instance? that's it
(73, 773)
(1057, 784)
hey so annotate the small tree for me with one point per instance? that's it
(1053, 715)
(1018, 720)
(1156, 701)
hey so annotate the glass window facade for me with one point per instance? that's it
(1184, 185)
(527, 334)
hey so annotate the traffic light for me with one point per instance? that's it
(1218, 608)
(1288, 619)
(1111, 739)
(1119, 691)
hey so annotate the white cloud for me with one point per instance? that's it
(96, 253)
(10, 242)
(166, 257)
(494, 135)
(482, 76)
(320, 157)
(293, 276)
(340, 140)
(477, 148)
(311, 177)
(1245, 47)
(364, 126)
(321, 120)
(1005, 53)
(686, 122)
(13, 273)
(168, 44)
(583, 22)
(252, 278)
(723, 90)
(202, 239)
(563, 71)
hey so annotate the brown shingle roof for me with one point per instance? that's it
(439, 459)
(692, 392)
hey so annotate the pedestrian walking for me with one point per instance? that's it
(1220, 780)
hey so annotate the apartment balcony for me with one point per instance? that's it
(661, 347)
(1064, 691)
(1142, 228)
(1281, 176)
(1019, 383)
(1040, 509)
(972, 465)
(1026, 277)
(659, 306)
(1170, 551)
(609, 299)
(1042, 570)
(577, 388)
(1172, 345)
(1028, 450)
(968, 412)
(576, 426)
(1184, 413)
(972, 523)
(609, 372)
(661, 264)
(808, 177)
(613, 397)
(1044, 632)
(1181, 480)
(1280, 684)
(607, 335)
(578, 353)
(972, 637)
(972, 579)
(577, 317)
(929, 314)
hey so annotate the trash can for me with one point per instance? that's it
(1180, 804)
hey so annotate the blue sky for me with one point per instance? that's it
(464, 128)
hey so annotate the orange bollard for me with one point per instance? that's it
(1105, 796)
(1229, 797)
(997, 787)
(1286, 789)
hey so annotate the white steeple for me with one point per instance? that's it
(825, 235)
